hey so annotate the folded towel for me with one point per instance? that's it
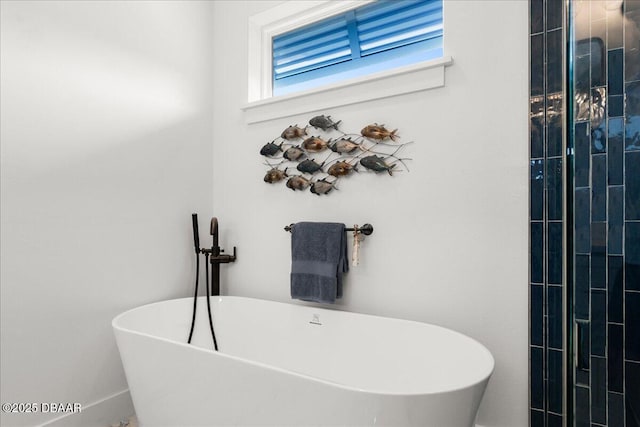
(318, 259)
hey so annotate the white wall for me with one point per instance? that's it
(106, 150)
(450, 240)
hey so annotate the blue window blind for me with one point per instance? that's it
(378, 36)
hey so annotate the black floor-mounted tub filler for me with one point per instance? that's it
(215, 257)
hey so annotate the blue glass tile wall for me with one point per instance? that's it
(547, 342)
(602, 137)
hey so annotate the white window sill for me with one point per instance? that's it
(412, 78)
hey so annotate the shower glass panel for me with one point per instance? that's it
(603, 212)
(584, 213)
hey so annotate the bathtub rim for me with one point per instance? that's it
(485, 377)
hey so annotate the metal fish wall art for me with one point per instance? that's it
(314, 144)
(376, 164)
(340, 168)
(322, 186)
(293, 132)
(275, 175)
(293, 154)
(373, 150)
(298, 182)
(344, 145)
(309, 166)
(271, 149)
(324, 122)
(378, 132)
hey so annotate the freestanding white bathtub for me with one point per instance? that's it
(291, 365)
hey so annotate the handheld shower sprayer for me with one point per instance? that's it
(196, 237)
(196, 243)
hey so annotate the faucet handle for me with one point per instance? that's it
(223, 259)
(230, 258)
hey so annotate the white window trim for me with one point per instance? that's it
(262, 106)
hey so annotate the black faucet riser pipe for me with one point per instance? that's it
(213, 332)
(215, 279)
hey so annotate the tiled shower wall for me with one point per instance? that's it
(603, 219)
(547, 344)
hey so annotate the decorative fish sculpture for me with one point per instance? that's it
(270, 149)
(293, 132)
(314, 144)
(298, 182)
(324, 122)
(293, 153)
(309, 166)
(378, 132)
(341, 168)
(322, 187)
(275, 175)
(376, 164)
(343, 145)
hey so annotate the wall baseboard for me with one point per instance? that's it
(102, 413)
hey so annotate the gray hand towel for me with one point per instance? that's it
(318, 259)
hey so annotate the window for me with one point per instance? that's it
(395, 48)
(378, 36)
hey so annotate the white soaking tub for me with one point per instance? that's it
(291, 365)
